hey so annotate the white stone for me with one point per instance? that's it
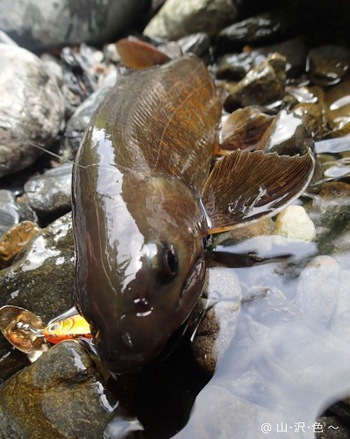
(295, 224)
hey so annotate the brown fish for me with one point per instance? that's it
(143, 205)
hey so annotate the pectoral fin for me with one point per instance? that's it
(244, 186)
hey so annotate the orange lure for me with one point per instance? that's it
(72, 327)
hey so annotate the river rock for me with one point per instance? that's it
(269, 306)
(337, 99)
(330, 213)
(287, 135)
(261, 29)
(177, 19)
(197, 43)
(31, 115)
(49, 194)
(295, 52)
(58, 396)
(4, 38)
(332, 427)
(234, 66)
(318, 289)
(218, 325)
(295, 224)
(42, 279)
(9, 210)
(263, 84)
(340, 323)
(15, 240)
(38, 24)
(79, 121)
(328, 64)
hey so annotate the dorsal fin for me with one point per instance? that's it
(244, 186)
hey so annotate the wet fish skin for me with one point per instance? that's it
(137, 215)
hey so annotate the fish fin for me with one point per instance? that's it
(164, 120)
(244, 186)
(138, 54)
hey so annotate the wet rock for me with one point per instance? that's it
(340, 321)
(287, 135)
(314, 118)
(49, 194)
(235, 66)
(197, 43)
(244, 128)
(330, 213)
(304, 95)
(53, 66)
(317, 290)
(218, 325)
(261, 29)
(295, 52)
(328, 64)
(32, 115)
(58, 396)
(78, 82)
(263, 84)
(15, 240)
(38, 25)
(177, 19)
(42, 279)
(235, 417)
(337, 99)
(295, 224)
(311, 107)
(9, 211)
(269, 306)
(333, 427)
(78, 122)
(5, 39)
(325, 353)
(336, 170)
(333, 146)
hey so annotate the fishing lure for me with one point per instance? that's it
(29, 334)
(69, 328)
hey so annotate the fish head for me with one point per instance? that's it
(149, 275)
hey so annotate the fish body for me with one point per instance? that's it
(143, 205)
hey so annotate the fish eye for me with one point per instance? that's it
(163, 259)
(171, 262)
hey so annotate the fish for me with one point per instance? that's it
(145, 201)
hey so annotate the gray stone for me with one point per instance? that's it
(328, 64)
(31, 108)
(262, 85)
(50, 193)
(257, 30)
(177, 18)
(9, 211)
(79, 121)
(38, 24)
